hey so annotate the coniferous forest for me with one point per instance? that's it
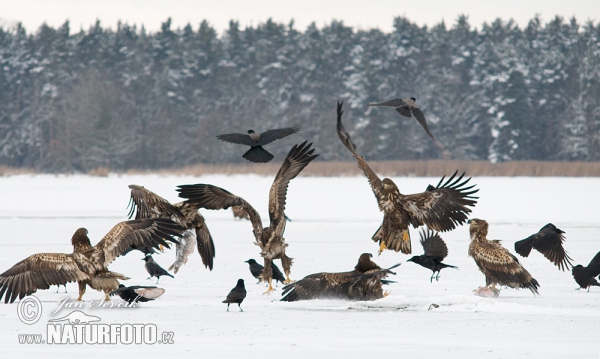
(125, 98)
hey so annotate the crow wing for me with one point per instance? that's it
(237, 138)
(418, 114)
(548, 241)
(272, 135)
(593, 267)
(397, 102)
(433, 244)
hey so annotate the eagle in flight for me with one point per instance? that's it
(497, 264)
(441, 208)
(363, 283)
(269, 239)
(87, 265)
(147, 204)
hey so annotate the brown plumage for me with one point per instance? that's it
(363, 283)
(497, 264)
(548, 241)
(407, 107)
(87, 265)
(147, 204)
(269, 239)
(239, 213)
(441, 208)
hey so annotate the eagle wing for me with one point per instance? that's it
(237, 138)
(548, 241)
(205, 243)
(212, 197)
(298, 158)
(39, 271)
(318, 286)
(147, 232)
(443, 207)
(272, 135)
(374, 180)
(147, 204)
(367, 286)
(433, 244)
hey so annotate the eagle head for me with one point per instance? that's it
(478, 228)
(387, 185)
(80, 240)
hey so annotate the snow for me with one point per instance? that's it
(332, 222)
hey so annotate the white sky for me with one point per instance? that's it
(359, 14)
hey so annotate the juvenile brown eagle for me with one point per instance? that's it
(435, 251)
(407, 107)
(147, 204)
(87, 265)
(441, 208)
(269, 239)
(363, 283)
(257, 153)
(548, 241)
(497, 264)
(586, 276)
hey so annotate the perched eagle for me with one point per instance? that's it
(435, 251)
(87, 265)
(586, 276)
(137, 293)
(441, 208)
(407, 107)
(362, 283)
(548, 241)
(269, 239)
(257, 153)
(146, 204)
(496, 262)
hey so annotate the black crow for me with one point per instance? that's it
(585, 276)
(154, 269)
(257, 269)
(236, 295)
(548, 241)
(138, 293)
(407, 107)
(257, 153)
(435, 251)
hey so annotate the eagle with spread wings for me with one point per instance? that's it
(363, 283)
(87, 265)
(441, 208)
(497, 264)
(147, 204)
(269, 239)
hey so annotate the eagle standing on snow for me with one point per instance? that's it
(363, 283)
(548, 241)
(147, 204)
(496, 262)
(87, 265)
(269, 239)
(257, 153)
(441, 208)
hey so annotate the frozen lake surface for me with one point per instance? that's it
(333, 220)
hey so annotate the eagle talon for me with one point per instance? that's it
(386, 293)
(382, 247)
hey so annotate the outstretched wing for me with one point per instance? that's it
(238, 138)
(443, 207)
(212, 197)
(397, 102)
(548, 241)
(205, 243)
(433, 244)
(272, 135)
(374, 180)
(147, 232)
(593, 267)
(147, 204)
(39, 271)
(421, 118)
(317, 286)
(298, 158)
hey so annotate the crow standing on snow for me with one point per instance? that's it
(154, 269)
(236, 295)
(257, 153)
(257, 269)
(435, 251)
(585, 276)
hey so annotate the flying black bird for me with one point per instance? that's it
(154, 269)
(270, 239)
(138, 293)
(435, 251)
(257, 153)
(441, 208)
(236, 295)
(585, 276)
(257, 269)
(548, 241)
(407, 107)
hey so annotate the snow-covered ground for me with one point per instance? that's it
(332, 223)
